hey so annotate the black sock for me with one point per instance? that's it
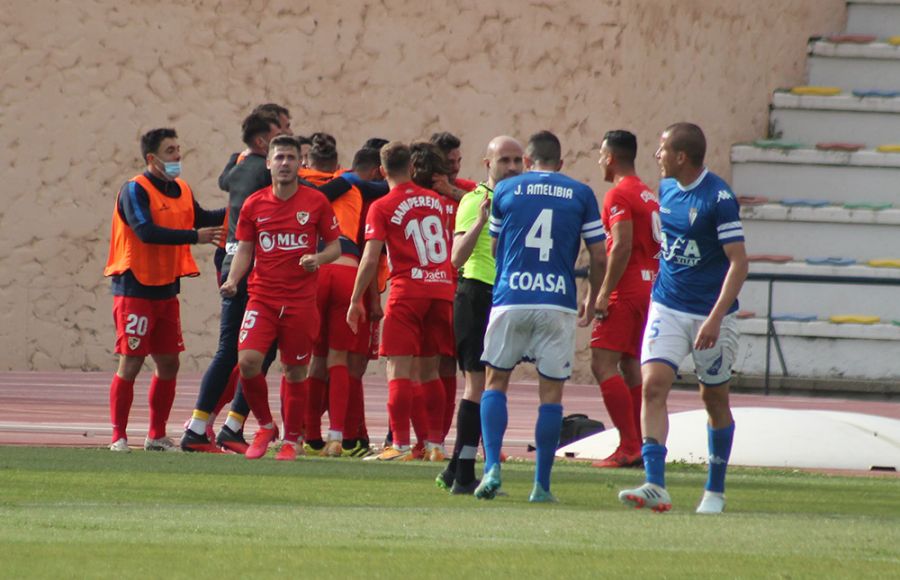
(468, 433)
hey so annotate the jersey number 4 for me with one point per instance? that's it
(428, 238)
(540, 235)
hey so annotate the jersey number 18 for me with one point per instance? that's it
(428, 238)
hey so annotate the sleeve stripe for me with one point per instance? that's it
(739, 233)
(593, 238)
(495, 221)
(592, 225)
(729, 226)
(135, 206)
(494, 229)
(594, 232)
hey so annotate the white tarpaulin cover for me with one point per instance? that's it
(774, 438)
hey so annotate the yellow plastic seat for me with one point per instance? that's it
(894, 40)
(854, 319)
(818, 91)
(888, 148)
(884, 263)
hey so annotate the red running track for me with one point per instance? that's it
(71, 408)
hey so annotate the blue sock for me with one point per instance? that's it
(546, 438)
(654, 456)
(719, 441)
(494, 416)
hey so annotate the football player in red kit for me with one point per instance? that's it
(282, 225)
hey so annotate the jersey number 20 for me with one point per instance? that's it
(428, 238)
(540, 235)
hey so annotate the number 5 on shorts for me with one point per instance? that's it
(249, 319)
(654, 328)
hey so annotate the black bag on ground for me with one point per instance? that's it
(578, 426)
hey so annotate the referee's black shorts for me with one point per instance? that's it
(471, 309)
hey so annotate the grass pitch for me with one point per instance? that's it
(92, 513)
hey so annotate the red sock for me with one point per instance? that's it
(338, 397)
(449, 403)
(161, 397)
(399, 404)
(434, 404)
(256, 391)
(637, 393)
(315, 398)
(295, 408)
(618, 403)
(356, 411)
(419, 412)
(228, 393)
(121, 395)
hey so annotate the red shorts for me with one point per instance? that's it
(295, 327)
(418, 327)
(147, 326)
(623, 328)
(333, 299)
(368, 340)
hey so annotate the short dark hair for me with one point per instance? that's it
(303, 140)
(272, 109)
(375, 143)
(689, 139)
(544, 148)
(366, 158)
(446, 141)
(623, 145)
(257, 124)
(151, 139)
(284, 141)
(395, 158)
(427, 161)
(323, 150)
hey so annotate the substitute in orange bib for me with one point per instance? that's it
(155, 220)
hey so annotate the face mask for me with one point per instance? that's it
(173, 168)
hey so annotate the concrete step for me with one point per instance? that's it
(810, 119)
(854, 66)
(821, 349)
(829, 214)
(865, 176)
(878, 17)
(818, 239)
(823, 300)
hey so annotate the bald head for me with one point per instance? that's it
(503, 159)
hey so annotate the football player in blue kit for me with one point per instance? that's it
(537, 222)
(702, 266)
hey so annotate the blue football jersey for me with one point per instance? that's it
(696, 222)
(539, 219)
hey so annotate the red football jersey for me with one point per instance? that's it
(633, 201)
(283, 232)
(411, 221)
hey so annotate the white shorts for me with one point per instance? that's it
(669, 338)
(545, 337)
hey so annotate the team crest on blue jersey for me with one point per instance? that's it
(692, 215)
(302, 217)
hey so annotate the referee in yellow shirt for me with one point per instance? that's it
(472, 307)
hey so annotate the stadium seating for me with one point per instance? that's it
(823, 188)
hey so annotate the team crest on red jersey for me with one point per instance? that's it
(134, 342)
(242, 336)
(302, 217)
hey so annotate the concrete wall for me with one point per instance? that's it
(83, 79)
